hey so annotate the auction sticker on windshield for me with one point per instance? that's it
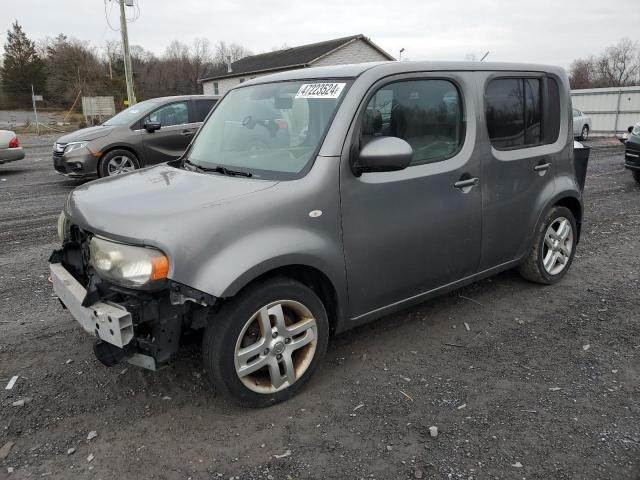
(320, 90)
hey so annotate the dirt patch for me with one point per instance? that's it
(544, 384)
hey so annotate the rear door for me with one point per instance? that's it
(176, 131)
(521, 117)
(410, 231)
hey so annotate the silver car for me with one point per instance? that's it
(581, 124)
(319, 199)
(10, 149)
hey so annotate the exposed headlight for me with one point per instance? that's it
(636, 129)
(62, 220)
(74, 146)
(127, 265)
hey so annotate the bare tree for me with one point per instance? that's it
(582, 73)
(233, 52)
(618, 65)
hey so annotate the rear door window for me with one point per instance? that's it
(505, 113)
(522, 112)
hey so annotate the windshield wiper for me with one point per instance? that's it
(228, 171)
(220, 169)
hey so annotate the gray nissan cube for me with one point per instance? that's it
(316, 200)
(149, 132)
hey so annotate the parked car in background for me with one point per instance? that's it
(632, 152)
(581, 124)
(396, 182)
(10, 149)
(150, 132)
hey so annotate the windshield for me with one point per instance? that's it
(270, 130)
(131, 114)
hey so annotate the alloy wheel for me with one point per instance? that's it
(276, 346)
(119, 165)
(558, 244)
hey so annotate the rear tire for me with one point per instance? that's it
(553, 248)
(636, 177)
(264, 344)
(117, 162)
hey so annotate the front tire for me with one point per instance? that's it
(264, 344)
(553, 249)
(117, 162)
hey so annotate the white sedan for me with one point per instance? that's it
(10, 149)
(581, 124)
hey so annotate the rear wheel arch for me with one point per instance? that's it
(575, 207)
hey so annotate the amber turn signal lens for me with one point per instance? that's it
(159, 267)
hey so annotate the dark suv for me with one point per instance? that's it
(632, 152)
(147, 133)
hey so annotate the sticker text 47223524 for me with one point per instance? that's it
(320, 90)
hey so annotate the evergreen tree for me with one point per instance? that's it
(21, 67)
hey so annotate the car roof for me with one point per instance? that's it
(183, 97)
(391, 68)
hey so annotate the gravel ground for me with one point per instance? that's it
(544, 383)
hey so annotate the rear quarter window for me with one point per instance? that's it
(203, 107)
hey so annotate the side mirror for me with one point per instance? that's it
(630, 129)
(152, 126)
(383, 154)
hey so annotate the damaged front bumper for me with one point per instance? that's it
(143, 328)
(109, 322)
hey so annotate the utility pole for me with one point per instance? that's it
(127, 55)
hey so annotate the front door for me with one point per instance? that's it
(411, 231)
(174, 135)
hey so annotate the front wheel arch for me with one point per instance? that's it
(313, 278)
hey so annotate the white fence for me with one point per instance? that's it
(612, 110)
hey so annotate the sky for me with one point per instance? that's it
(542, 31)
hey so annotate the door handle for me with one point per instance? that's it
(542, 167)
(467, 183)
(184, 133)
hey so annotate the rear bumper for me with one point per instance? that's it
(11, 154)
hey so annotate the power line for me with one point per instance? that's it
(107, 15)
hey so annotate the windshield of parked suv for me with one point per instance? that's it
(270, 131)
(131, 114)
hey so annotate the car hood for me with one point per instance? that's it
(86, 134)
(161, 206)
